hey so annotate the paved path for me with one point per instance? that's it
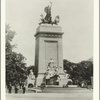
(70, 94)
(50, 96)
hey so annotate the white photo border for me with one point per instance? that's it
(95, 49)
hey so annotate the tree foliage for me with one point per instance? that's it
(15, 65)
(79, 71)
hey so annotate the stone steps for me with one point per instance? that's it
(66, 90)
(55, 86)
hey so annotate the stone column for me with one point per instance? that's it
(48, 45)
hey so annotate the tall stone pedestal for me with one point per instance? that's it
(48, 45)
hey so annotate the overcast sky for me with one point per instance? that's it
(76, 20)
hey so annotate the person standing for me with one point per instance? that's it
(16, 88)
(24, 88)
(9, 88)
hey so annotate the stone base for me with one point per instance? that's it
(73, 86)
(62, 82)
(30, 82)
(53, 86)
(39, 79)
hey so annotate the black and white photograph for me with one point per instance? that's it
(49, 50)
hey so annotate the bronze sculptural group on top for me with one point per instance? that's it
(48, 18)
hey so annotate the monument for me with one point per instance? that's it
(48, 51)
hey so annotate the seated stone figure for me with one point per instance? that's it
(31, 79)
(51, 73)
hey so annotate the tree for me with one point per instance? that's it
(86, 70)
(79, 72)
(15, 65)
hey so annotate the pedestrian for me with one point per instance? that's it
(24, 88)
(16, 88)
(42, 86)
(9, 88)
(20, 84)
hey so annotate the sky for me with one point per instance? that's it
(76, 20)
